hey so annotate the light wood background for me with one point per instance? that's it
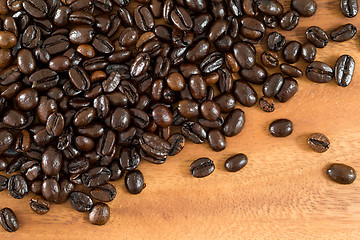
(282, 193)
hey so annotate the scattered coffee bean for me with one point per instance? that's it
(236, 163)
(318, 142)
(8, 220)
(349, 8)
(344, 70)
(267, 104)
(341, 173)
(39, 205)
(281, 128)
(99, 214)
(343, 33)
(202, 167)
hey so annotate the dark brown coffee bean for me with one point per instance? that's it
(341, 173)
(305, 8)
(99, 214)
(267, 104)
(226, 102)
(80, 201)
(269, 59)
(14, 118)
(106, 143)
(181, 18)
(134, 181)
(58, 43)
(289, 20)
(252, 29)
(308, 52)
(95, 177)
(236, 163)
(202, 167)
(244, 93)
(194, 132)
(317, 36)
(343, 33)
(276, 41)
(244, 55)
(349, 8)
(256, 75)
(216, 139)
(50, 189)
(234, 123)
(17, 187)
(51, 161)
(344, 70)
(212, 62)
(292, 52)
(319, 72)
(8, 220)
(188, 108)
(290, 70)
(281, 128)
(288, 90)
(154, 145)
(177, 143)
(39, 205)
(318, 142)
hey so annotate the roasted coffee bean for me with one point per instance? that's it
(79, 78)
(275, 41)
(7, 39)
(140, 65)
(212, 124)
(305, 8)
(344, 70)
(84, 116)
(14, 118)
(95, 177)
(15, 164)
(162, 116)
(290, 70)
(250, 7)
(78, 165)
(319, 72)
(217, 29)
(8, 220)
(288, 90)
(3, 183)
(349, 8)
(281, 128)
(27, 99)
(210, 110)
(270, 7)
(188, 108)
(45, 108)
(292, 52)
(343, 33)
(202, 167)
(318, 142)
(269, 59)
(226, 102)
(308, 52)
(44, 79)
(225, 82)
(216, 139)
(66, 188)
(236, 163)
(50, 189)
(6, 58)
(10, 75)
(106, 143)
(17, 186)
(36, 186)
(58, 43)
(177, 143)
(198, 51)
(289, 20)
(143, 18)
(31, 170)
(231, 63)
(39, 205)
(256, 75)
(341, 173)
(99, 214)
(271, 21)
(80, 201)
(129, 158)
(194, 132)
(129, 90)
(103, 193)
(51, 161)
(202, 22)
(181, 18)
(55, 124)
(252, 29)
(154, 144)
(317, 36)
(103, 44)
(212, 62)
(234, 123)
(267, 104)
(244, 55)
(134, 181)
(197, 87)
(244, 93)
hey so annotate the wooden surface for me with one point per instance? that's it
(281, 194)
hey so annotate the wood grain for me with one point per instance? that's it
(281, 194)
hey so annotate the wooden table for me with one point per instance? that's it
(282, 193)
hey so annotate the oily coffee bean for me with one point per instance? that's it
(99, 214)
(134, 181)
(341, 173)
(181, 18)
(269, 59)
(51, 161)
(344, 70)
(15, 164)
(212, 62)
(288, 90)
(290, 70)
(152, 159)
(55, 124)
(319, 72)
(289, 20)
(226, 102)
(317, 36)
(31, 170)
(216, 139)
(80, 201)
(217, 29)
(210, 110)
(267, 104)
(212, 124)
(66, 188)
(256, 75)
(154, 144)
(8, 220)
(17, 187)
(58, 43)
(177, 143)
(244, 55)
(343, 33)
(162, 116)
(271, 21)
(6, 140)
(39, 205)
(129, 158)
(194, 132)
(234, 123)
(281, 128)
(292, 52)
(236, 163)
(103, 44)
(103, 193)
(202, 22)
(252, 29)
(308, 52)
(202, 167)
(3, 183)
(270, 7)
(305, 8)
(318, 142)
(349, 8)
(244, 93)
(95, 177)
(143, 18)
(276, 41)
(79, 78)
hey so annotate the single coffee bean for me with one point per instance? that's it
(269, 59)
(281, 128)
(319, 72)
(308, 52)
(244, 55)
(51, 161)
(66, 188)
(344, 70)
(17, 187)
(244, 93)
(26, 61)
(79, 78)
(267, 104)
(177, 143)
(292, 52)
(252, 29)
(134, 181)
(103, 193)
(305, 8)
(202, 167)
(80, 201)
(202, 22)
(343, 33)
(212, 62)
(276, 41)
(55, 124)
(181, 18)
(99, 214)
(349, 8)
(236, 163)
(39, 205)
(3, 183)
(341, 173)
(290, 70)
(143, 18)
(289, 20)
(256, 75)
(216, 139)
(31, 170)
(288, 90)
(318, 142)
(226, 102)
(317, 36)
(7, 39)
(8, 220)
(6, 140)
(271, 21)
(234, 123)
(27, 99)
(217, 29)
(154, 144)
(162, 116)
(210, 110)
(194, 132)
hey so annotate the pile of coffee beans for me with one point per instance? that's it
(89, 88)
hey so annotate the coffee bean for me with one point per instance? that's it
(244, 55)
(234, 123)
(39, 205)
(181, 18)
(292, 52)
(275, 41)
(216, 139)
(99, 214)
(281, 128)
(134, 181)
(256, 75)
(154, 145)
(290, 70)
(244, 93)
(236, 163)
(343, 33)
(202, 22)
(267, 104)
(269, 59)
(177, 143)
(104, 193)
(318, 142)
(317, 36)
(349, 8)
(344, 70)
(305, 8)
(80, 201)
(17, 186)
(66, 188)
(202, 167)
(252, 29)
(212, 62)
(289, 20)
(308, 52)
(3, 183)
(341, 173)
(288, 90)
(319, 72)
(8, 220)
(51, 161)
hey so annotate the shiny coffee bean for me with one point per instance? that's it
(202, 167)
(134, 181)
(317, 36)
(341, 173)
(281, 128)
(236, 163)
(244, 55)
(194, 132)
(103, 193)
(216, 139)
(39, 205)
(17, 187)
(318, 142)
(177, 143)
(343, 33)
(349, 8)
(290, 70)
(234, 123)
(99, 214)
(289, 20)
(256, 75)
(244, 93)
(276, 41)
(308, 52)
(80, 201)
(267, 104)
(288, 89)
(319, 72)
(8, 220)
(344, 70)
(154, 144)
(269, 59)
(305, 8)
(292, 52)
